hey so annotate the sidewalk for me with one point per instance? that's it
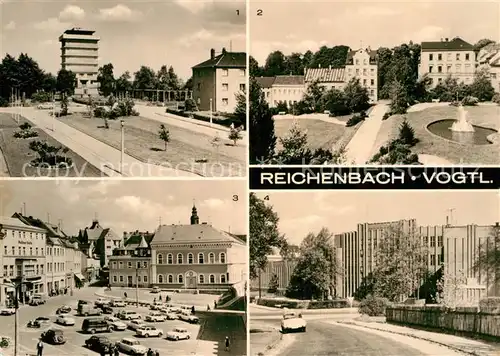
(460, 344)
(358, 150)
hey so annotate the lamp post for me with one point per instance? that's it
(122, 145)
(210, 112)
(136, 287)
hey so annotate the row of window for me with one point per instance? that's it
(139, 264)
(458, 68)
(449, 57)
(24, 235)
(225, 87)
(55, 267)
(440, 80)
(169, 278)
(225, 72)
(169, 260)
(22, 251)
(8, 271)
(144, 279)
(365, 71)
(358, 62)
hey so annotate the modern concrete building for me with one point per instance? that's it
(80, 55)
(447, 58)
(197, 256)
(218, 80)
(276, 266)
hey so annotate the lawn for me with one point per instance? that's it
(482, 115)
(185, 147)
(320, 134)
(18, 155)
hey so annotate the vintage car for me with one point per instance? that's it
(131, 346)
(135, 324)
(155, 290)
(128, 315)
(53, 336)
(8, 311)
(178, 334)
(64, 309)
(292, 322)
(189, 318)
(65, 320)
(156, 306)
(117, 303)
(115, 323)
(155, 317)
(149, 330)
(99, 344)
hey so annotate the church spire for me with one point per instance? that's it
(194, 215)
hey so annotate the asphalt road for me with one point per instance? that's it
(328, 339)
(75, 339)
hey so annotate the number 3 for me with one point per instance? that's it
(235, 198)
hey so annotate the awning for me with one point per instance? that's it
(79, 276)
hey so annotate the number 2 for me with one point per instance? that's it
(259, 12)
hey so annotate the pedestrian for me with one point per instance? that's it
(117, 353)
(154, 300)
(39, 348)
(192, 310)
(215, 304)
(125, 294)
(160, 298)
(227, 343)
(157, 353)
(208, 307)
(150, 352)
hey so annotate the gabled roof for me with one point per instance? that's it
(371, 53)
(265, 82)
(325, 75)
(289, 80)
(191, 234)
(456, 44)
(96, 231)
(51, 229)
(225, 60)
(137, 239)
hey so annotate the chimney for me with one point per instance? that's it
(447, 221)
(212, 53)
(497, 224)
(224, 50)
(446, 39)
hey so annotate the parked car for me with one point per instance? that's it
(95, 325)
(115, 323)
(100, 344)
(156, 306)
(106, 309)
(131, 346)
(45, 106)
(149, 330)
(155, 317)
(40, 298)
(35, 302)
(8, 311)
(53, 336)
(189, 318)
(128, 315)
(88, 310)
(101, 301)
(292, 322)
(65, 320)
(155, 290)
(42, 319)
(83, 302)
(135, 324)
(178, 334)
(117, 303)
(63, 309)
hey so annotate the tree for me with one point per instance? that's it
(106, 79)
(264, 234)
(123, 83)
(275, 64)
(488, 260)
(330, 56)
(255, 70)
(366, 287)
(294, 149)
(66, 81)
(164, 135)
(335, 102)
(145, 78)
(64, 104)
(273, 284)
(317, 267)
(399, 98)
(407, 134)
(262, 139)
(294, 65)
(451, 289)
(482, 43)
(481, 87)
(357, 98)
(312, 98)
(401, 263)
(240, 112)
(235, 134)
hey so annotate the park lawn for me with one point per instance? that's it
(143, 143)
(320, 134)
(18, 155)
(431, 144)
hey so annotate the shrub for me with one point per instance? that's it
(189, 105)
(224, 122)
(329, 304)
(386, 116)
(41, 97)
(496, 98)
(469, 101)
(4, 102)
(407, 134)
(355, 119)
(373, 306)
(100, 112)
(25, 134)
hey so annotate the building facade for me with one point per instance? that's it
(23, 259)
(288, 89)
(80, 54)
(99, 242)
(447, 58)
(489, 58)
(218, 80)
(363, 64)
(328, 78)
(266, 84)
(276, 266)
(197, 256)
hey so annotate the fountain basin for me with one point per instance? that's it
(478, 135)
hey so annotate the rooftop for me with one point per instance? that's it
(289, 80)
(225, 60)
(351, 53)
(192, 233)
(456, 44)
(265, 82)
(79, 31)
(325, 75)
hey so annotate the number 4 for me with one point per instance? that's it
(266, 197)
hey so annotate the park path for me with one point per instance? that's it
(102, 156)
(358, 150)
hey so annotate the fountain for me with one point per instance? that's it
(461, 124)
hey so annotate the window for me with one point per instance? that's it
(225, 101)
(5, 250)
(190, 258)
(201, 279)
(138, 279)
(170, 278)
(467, 56)
(170, 259)
(225, 87)
(222, 257)
(372, 82)
(160, 259)
(145, 278)
(440, 69)
(242, 87)
(426, 240)
(138, 264)
(431, 57)
(225, 72)
(160, 278)
(372, 92)
(433, 260)
(364, 82)
(440, 80)
(201, 258)
(24, 251)
(357, 61)
(14, 250)
(41, 250)
(115, 279)
(440, 241)
(439, 259)
(120, 264)
(211, 257)
(121, 278)
(113, 264)
(440, 57)
(433, 241)
(198, 86)
(242, 72)
(357, 71)
(129, 264)
(448, 57)
(212, 279)
(144, 264)
(223, 278)
(179, 258)
(448, 68)
(5, 271)
(364, 71)
(458, 56)
(180, 278)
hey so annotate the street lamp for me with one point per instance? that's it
(122, 145)
(210, 112)
(136, 287)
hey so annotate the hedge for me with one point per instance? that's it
(303, 304)
(224, 122)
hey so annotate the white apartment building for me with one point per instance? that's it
(288, 89)
(23, 258)
(80, 54)
(489, 57)
(440, 59)
(362, 64)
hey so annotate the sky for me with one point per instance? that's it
(128, 205)
(341, 211)
(133, 33)
(301, 25)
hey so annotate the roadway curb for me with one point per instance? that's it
(454, 348)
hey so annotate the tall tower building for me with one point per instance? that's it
(195, 220)
(79, 54)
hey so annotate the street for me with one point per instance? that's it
(76, 339)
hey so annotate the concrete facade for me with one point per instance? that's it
(80, 54)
